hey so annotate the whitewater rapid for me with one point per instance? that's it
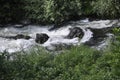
(57, 36)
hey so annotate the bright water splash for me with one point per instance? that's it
(57, 37)
(15, 45)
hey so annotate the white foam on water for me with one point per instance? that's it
(87, 36)
(57, 36)
(15, 45)
(85, 20)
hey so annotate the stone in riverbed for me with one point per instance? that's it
(41, 38)
(21, 36)
(18, 25)
(22, 24)
(18, 36)
(101, 32)
(75, 32)
(99, 36)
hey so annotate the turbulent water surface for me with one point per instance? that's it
(57, 36)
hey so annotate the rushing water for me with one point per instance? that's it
(57, 37)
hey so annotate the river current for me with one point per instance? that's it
(57, 36)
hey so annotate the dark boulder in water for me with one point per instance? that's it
(41, 38)
(75, 32)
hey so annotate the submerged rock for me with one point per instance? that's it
(99, 36)
(95, 41)
(21, 36)
(58, 47)
(19, 25)
(75, 32)
(41, 38)
(22, 24)
(101, 32)
(18, 36)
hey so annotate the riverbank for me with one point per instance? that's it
(78, 63)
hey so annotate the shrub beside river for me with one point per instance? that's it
(57, 12)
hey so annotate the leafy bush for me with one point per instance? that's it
(87, 7)
(107, 8)
(64, 10)
(11, 11)
(38, 10)
(49, 11)
(52, 11)
(56, 11)
(80, 63)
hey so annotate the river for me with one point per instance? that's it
(57, 36)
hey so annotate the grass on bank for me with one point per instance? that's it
(79, 63)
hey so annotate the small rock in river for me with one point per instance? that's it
(41, 38)
(75, 32)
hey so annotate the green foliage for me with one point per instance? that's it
(6, 67)
(49, 11)
(38, 10)
(79, 63)
(11, 11)
(87, 7)
(116, 42)
(66, 9)
(56, 11)
(107, 8)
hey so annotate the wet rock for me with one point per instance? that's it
(55, 27)
(25, 22)
(18, 36)
(21, 36)
(1, 25)
(58, 47)
(75, 32)
(22, 24)
(58, 25)
(94, 41)
(101, 32)
(41, 38)
(99, 36)
(19, 25)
